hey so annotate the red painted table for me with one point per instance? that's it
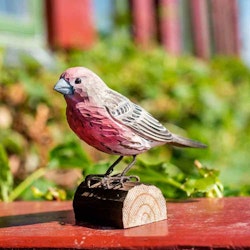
(194, 223)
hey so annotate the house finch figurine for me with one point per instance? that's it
(109, 121)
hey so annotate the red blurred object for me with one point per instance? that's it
(191, 224)
(170, 26)
(200, 23)
(225, 26)
(144, 24)
(70, 23)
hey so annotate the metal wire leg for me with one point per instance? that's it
(111, 168)
(130, 165)
(114, 181)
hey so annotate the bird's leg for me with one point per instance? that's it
(98, 179)
(114, 181)
(118, 180)
(111, 168)
(130, 165)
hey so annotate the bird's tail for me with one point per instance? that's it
(185, 142)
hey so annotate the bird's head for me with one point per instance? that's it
(77, 80)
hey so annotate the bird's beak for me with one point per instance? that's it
(64, 87)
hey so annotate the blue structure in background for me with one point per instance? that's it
(15, 8)
(244, 22)
(103, 15)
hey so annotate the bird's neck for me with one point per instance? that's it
(95, 96)
(76, 98)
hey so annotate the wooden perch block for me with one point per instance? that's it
(134, 205)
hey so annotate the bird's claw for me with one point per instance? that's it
(109, 182)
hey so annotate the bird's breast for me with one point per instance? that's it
(95, 126)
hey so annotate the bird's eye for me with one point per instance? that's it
(78, 80)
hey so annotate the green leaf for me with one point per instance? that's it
(68, 155)
(12, 141)
(22, 187)
(206, 183)
(6, 179)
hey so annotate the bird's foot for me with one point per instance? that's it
(109, 182)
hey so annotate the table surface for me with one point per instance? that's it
(192, 223)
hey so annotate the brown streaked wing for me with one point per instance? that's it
(135, 117)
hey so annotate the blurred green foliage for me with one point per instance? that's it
(206, 101)
(5, 176)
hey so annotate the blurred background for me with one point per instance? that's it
(185, 61)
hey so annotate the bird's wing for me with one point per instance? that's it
(135, 117)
